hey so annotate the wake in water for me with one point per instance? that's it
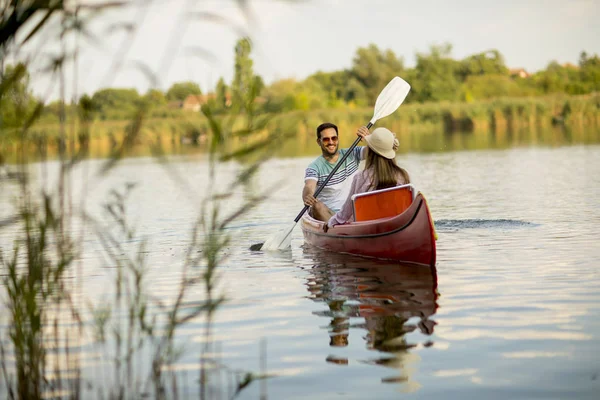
(442, 225)
(455, 224)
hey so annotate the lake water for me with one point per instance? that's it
(511, 310)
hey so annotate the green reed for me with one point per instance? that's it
(190, 131)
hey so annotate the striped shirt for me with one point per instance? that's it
(336, 191)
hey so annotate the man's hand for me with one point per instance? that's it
(362, 132)
(310, 185)
(309, 200)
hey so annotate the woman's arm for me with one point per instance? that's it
(347, 211)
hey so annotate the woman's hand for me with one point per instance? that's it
(362, 132)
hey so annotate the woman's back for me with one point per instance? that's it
(364, 181)
(381, 172)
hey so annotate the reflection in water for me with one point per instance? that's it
(301, 144)
(392, 299)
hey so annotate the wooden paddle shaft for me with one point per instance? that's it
(337, 166)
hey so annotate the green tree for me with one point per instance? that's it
(53, 109)
(373, 69)
(16, 99)
(590, 72)
(279, 96)
(488, 62)
(356, 93)
(553, 79)
(221, 95)
(116, 103)
(488, 86)
(309, 95)
(435, 76)
(243, 68)
(155, 97)
(246, 86)
(289, 94)
(87, 107)
(333, 84)
(180, 90)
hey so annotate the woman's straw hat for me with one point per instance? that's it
(383, 142)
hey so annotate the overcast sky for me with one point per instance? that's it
(298, 38)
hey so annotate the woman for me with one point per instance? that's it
(381, 171)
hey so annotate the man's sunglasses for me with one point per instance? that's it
(332, 139)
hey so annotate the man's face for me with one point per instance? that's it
(328, 141)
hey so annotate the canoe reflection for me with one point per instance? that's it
(384, 295)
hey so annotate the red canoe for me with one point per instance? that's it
(407, 237)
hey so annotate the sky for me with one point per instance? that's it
(178, 40)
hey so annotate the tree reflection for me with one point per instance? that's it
(385, 299)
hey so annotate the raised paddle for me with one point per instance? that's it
(388, 101)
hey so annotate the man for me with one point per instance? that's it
(334, 194)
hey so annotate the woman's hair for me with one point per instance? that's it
(385, 171)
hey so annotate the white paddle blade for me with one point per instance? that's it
(390, 98)
(279, 241)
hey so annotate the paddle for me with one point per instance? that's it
(388, 101)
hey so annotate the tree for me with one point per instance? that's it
(435, 75)
(568, 78)
(16, 100)
(289, 94)
(590, 72)
(373, 69)
(116, 103)
(243, 67)
(489, 62)
(246, 86)
(553, 79)
(155, 98)
(180, 90)
(309, 95)
(486, 86)
(356, 93)
(221, 95)
(53, 109)
(86, 109)
(333, 84)
(280, 95)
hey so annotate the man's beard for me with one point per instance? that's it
(328, 152)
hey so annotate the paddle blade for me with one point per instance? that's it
(279, 241)
(390, 98)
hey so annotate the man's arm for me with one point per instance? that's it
(360, 152)
(310, 186)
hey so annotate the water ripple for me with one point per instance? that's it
(455, 224)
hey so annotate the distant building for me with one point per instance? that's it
(520, 72)
(195, 102)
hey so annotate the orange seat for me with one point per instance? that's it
(382, 203)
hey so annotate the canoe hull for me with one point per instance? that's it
(408, 237)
